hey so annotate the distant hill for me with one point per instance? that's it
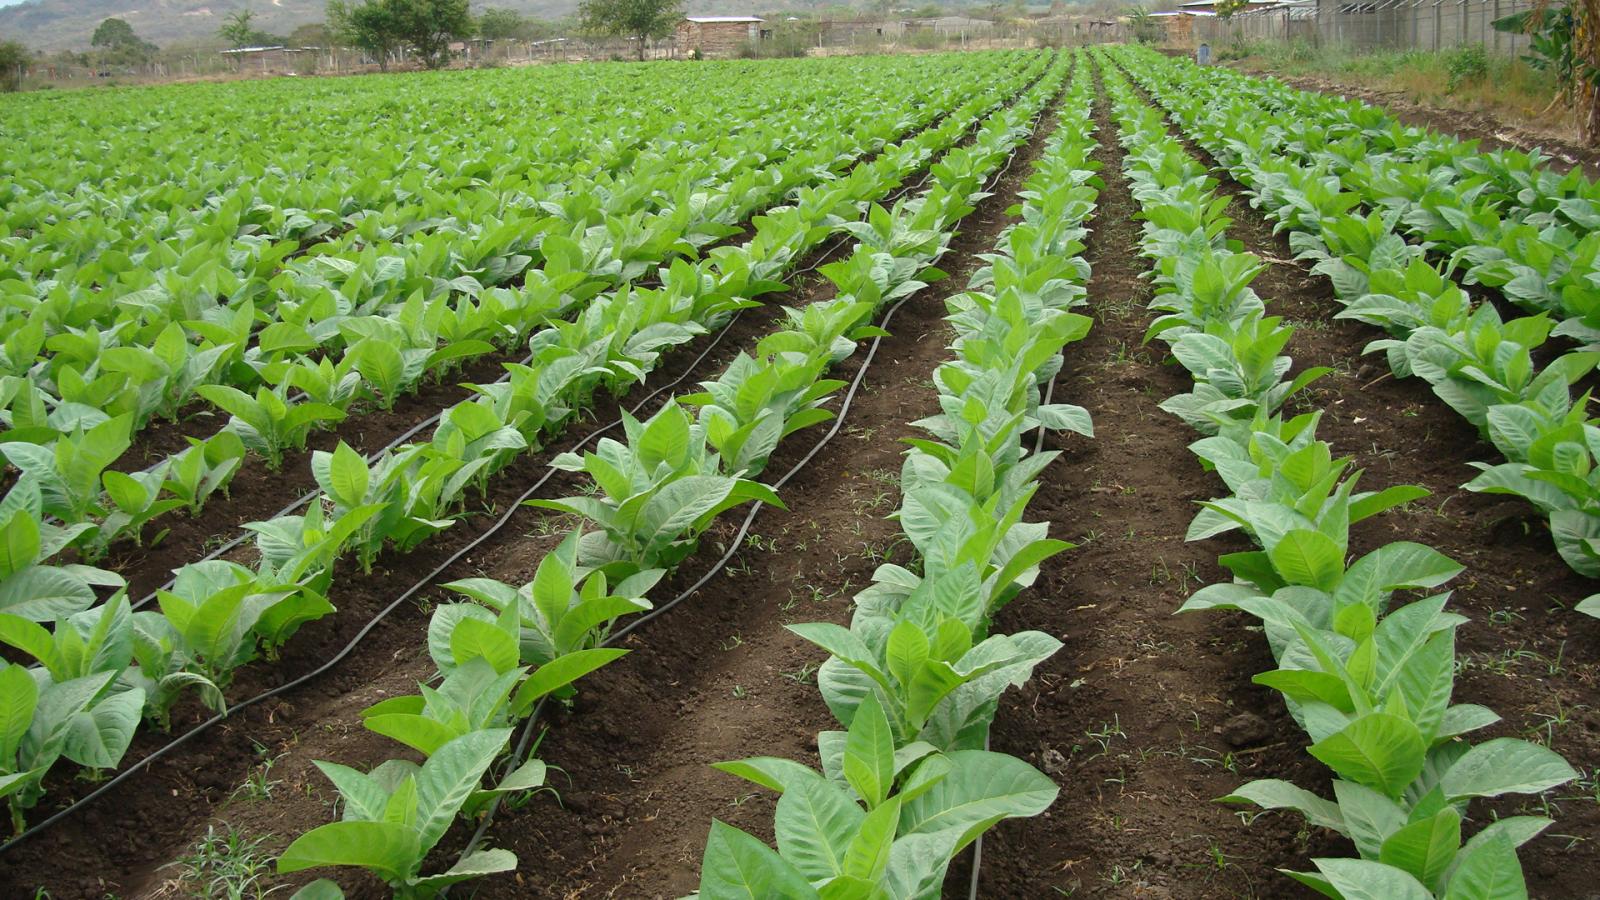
(68, 24)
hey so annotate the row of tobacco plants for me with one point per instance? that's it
(102, 670)
(505, 650)
(916, 678)
(310, 326)
(1365, 665)
(1395, 217)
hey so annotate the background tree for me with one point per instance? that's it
(501, 25)
(237, 30)
(1564, 40)
(429, 26)
(113, 33)
(118, 45)
(636, 19)
(369, 26)
(13, 59)
(380, 27)
(1145, 29)
(315, 34)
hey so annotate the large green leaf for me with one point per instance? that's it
(1379, 750)
(736, 866)
(1505, 766)
(869, 753)
(1425, 848)
(1487, 870)
(1308, 558)
(981, 789)
(1360, 879)
(450, 776)
(1271, 793)
(814, 825)
(389, 850)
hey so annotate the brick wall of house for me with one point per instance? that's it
(715, 39)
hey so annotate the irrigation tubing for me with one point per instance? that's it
(350, 647)
(528, 728)
(411, 432)
(382, 614)
(519, 755)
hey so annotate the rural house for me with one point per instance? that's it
(275, 59)
(717, 36)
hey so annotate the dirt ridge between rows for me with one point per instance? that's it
(1142, 717)
(1515, 591)
(257, 492)
(271, 745)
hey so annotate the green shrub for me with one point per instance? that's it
(1466, 65)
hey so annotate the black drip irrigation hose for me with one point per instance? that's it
(519, 755)
(139, 766)
(411, 432)
(528, 727)
(366, 629)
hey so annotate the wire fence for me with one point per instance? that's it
(1374, 25)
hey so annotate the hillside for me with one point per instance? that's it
(67, 24)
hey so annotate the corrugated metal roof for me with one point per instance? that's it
(705, 20)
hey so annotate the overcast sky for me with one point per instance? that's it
(9, 2)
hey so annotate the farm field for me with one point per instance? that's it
(1004, 474)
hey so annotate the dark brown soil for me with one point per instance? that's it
(1152, 712)
(121, 843)
(1491, 133)
(726, 680)
(1143, 717)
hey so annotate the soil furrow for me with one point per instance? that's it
(257, 492)
(1162, 835)
(724, 679)
(254, 774)
(1143, 718)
